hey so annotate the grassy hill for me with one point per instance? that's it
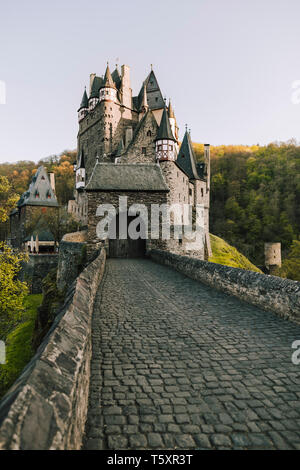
(225, 254)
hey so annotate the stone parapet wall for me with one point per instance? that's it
(281, 296)
(72, 257)
(46, 408)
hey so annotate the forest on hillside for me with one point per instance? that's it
(255, 196)
(255, 192)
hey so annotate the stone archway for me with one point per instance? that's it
(128, 248)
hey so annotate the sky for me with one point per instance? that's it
(229, 67)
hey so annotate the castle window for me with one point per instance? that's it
(149, 133)
(190, 192)
(201, 192)
(43, 177)
(143, 150)
(180, 241)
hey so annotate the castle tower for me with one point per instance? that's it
(272, 256)
(108, 91)
(165, 148)
(84, 106)
(94, 95)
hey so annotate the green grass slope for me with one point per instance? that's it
(19, 349)
(228, 255)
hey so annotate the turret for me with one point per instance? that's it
(165, 141)
(108, 91)
(84, 106)
(94, 96)
(80, 172)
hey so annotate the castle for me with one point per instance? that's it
(128, 146)
(39, 198)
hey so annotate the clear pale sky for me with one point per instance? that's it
(228, 66)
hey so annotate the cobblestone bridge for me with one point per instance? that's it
(177, 364)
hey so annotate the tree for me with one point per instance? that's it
(8, 198)
(291, 265)
(57, 221)
(12, 291)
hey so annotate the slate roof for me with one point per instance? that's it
(39, 192)
(44, 236)
(186, 157)
(116, 78)
(165, 131)
(96, 85)
(84, 102)
(127, 177)
(154, 97)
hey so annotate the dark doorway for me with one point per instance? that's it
(128, 248)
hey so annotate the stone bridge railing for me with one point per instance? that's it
(281, 296)
(46, 407)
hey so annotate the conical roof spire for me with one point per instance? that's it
(186, 157)
(84, 102)
(108, 81)
(170, 110)
(165, 131)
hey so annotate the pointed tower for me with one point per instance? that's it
(94, 96)
(186, 158)
(80, 172)
(84, 107)
(108, 91)
(165, 141)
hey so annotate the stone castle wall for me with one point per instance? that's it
(72, 257)
(46, 408)
(281, 296)
(37, 267)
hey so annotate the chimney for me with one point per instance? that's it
(126, 88)
(52, 181)
(207, 164)
(92, 76)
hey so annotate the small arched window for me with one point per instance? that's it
(149, 133)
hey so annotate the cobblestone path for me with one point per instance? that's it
(177, 365)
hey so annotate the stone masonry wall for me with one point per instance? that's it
(36, 269)
(46, 408)
(281, 296)
(71, 258)
(112, 197)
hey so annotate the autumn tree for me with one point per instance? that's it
(12, 291)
